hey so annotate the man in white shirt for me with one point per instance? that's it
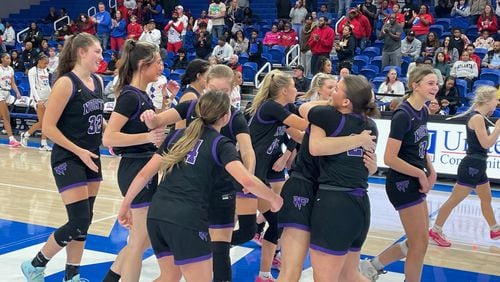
(150, 33)
(183, 18)
(223, 51)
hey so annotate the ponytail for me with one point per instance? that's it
(211, 107)
(133, 54)
(273, 82)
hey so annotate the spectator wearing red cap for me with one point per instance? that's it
(361, 28)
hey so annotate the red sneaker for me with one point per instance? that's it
(257, 239)
(260, 279)
(439, 238)
(14, 143)
(495, 234)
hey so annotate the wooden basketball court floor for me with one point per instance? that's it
(31, 208)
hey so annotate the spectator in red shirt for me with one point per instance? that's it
(134, 29)
(422, 23)
(400, 18)
(361, 28)
(84, 25)
(470, 48)
(321, 42)
(487, 20)
(233, 63)
(288, 37)
(272, 37)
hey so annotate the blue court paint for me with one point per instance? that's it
(15, 236)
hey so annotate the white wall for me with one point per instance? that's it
(13, 6)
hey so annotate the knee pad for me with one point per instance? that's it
(221, 261)
(82, 237)
(272, 233)
(77, 226)
(248, 227)
(404, 247)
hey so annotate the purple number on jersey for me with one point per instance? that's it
(357, 152)
(193, 154)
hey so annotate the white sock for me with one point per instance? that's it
(27, 134)
(11, 138)
(437, 228)
(263, 274)
(43, 142)
(495, 227)
(377, 264)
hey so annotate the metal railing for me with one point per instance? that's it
(20, 33)
(91, 11)
(262, 69)
(295, 56)
(68, 20)
(337, 26)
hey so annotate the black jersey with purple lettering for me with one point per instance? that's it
(237, 122)
(267, 129)
(131, 103)
(410, 127)
(346, 169)
(81, 119)
(473, 145)
(183, 195)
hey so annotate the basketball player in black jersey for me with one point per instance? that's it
(195, 80)
(411, 176)
(299, 191)
(74, 121)
(192, 160)
(135, 143)
(268, 125)
(471, 172)
(343, 180)
(222, 205)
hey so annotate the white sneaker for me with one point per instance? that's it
(45, 148)
(368, 270)
(24, 139)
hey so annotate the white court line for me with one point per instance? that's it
(8, 185)
(104, 218)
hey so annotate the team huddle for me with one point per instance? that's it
(218, 165)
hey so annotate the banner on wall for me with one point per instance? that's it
(446, 148)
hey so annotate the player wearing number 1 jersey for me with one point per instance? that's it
(74, 122)
(192, 159)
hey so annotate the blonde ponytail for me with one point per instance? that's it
(273, 82)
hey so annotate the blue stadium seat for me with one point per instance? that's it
(461, 85)
(166, 72)
(482, 82)
(243, 58)
(249, 73)
(373, 67)
(278, 56)
(368, 73)
(481, 52)
(371, 52)
(377, 61)
(253, 65)
(445, 23)
(377, 81)
(361, 61)
(491, 76)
